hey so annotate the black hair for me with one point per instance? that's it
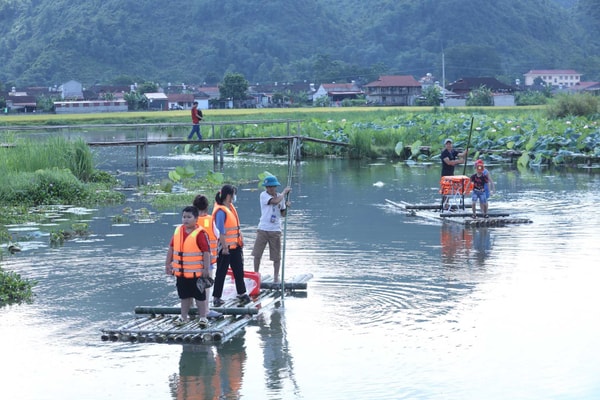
(201, 202)
(191, 209)
(225, 190)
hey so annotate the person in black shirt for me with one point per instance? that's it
(450, 158)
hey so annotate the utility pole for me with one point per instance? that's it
(443, 80)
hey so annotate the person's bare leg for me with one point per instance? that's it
(202, 308)
(475, 209)
(186, 304)
(276, 267)
(256, 264)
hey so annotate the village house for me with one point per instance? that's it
(106, 92)
(157, 101)
(281, 94)
(89, 106)
(503, 94)
(393, 90)
(71, 90)
(553, 77)
(586, 87)
(337, 92)
(20, 102)
(180, 101)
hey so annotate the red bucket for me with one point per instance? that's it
(252, 280)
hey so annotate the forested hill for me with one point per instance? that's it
(45, 42)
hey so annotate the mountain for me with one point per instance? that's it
(45, 42)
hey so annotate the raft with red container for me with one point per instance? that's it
(456, 210)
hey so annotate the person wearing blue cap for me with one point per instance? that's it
(272, 208)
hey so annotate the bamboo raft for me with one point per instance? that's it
(160, 324)
(454, 215)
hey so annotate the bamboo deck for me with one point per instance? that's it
(432, 212)
(159, 324)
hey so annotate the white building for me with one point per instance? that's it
(71, 90)
(553, 77)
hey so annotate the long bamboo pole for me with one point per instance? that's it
(291, 163)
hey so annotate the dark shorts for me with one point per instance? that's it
(186, 288)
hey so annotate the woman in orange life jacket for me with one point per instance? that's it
(230, 245)
(205, 221)
(188, 258)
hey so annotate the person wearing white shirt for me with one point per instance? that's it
(272, 209)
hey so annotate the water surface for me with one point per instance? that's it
(398, 307)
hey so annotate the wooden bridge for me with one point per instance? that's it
(214, 135)
(293, 142)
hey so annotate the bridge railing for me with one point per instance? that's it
(158, 131)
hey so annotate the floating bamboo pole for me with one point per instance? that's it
(468, 214)
(193, 311)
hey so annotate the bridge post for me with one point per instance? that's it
(141, 156)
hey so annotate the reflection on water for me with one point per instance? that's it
(461, 243)
(210, 372)
(398, 307)
(277, 359)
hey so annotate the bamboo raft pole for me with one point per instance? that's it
(193, 311)
(297, 283)
(468, 214)
(430, 206)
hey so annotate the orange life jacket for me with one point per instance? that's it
(188, 259)
(233, 235)
(206, 222)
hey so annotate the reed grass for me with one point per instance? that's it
(56, 153)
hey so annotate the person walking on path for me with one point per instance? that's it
(188, 258)
(451, 157)
(272, 207)
(196, 118)
(479, 180)
(231, 243)
(205, 221)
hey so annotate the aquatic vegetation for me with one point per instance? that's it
(14, 289)
(52, 172)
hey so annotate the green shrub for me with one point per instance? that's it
(530, 98)
(573, 105)
(41, 187)
(481, 97)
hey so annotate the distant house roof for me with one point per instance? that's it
(22, 101)
(468, 84)
(282, 87)
(585, 86)
(394, 81)
(211, 91)
(552, 72)
(155, 96)
(111, 88)
(180, 97)
(341, 88)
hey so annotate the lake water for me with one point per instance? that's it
(399, 307)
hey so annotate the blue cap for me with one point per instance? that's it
(271, 181)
